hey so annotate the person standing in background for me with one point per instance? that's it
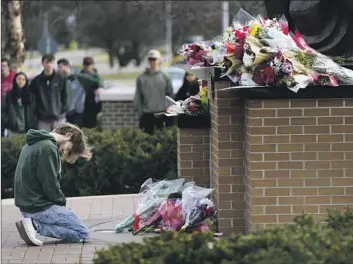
(7, 77)
(74, 114)
(91, 82)
(189, 88)
(51, 95)
(151, 88)
(18, 107)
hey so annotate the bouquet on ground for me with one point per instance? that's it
(197, 208)
(154, 196)
(170, 206)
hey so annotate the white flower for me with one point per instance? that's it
(248, 59)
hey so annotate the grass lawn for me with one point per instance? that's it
(121, 76)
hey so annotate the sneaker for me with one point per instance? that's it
(27, 232)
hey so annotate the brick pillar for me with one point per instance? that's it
(194, 155)
(227, 158)
(299, 158)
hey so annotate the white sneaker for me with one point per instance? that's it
(27, 232)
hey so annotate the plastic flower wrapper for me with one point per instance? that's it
(254, 53)
(171, 214)
(321, 63)
(246, 78)
(152, 199)
(243, 17)
(196, 207)
(296, 82)
(127, 224)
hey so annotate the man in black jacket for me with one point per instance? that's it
(51, 95)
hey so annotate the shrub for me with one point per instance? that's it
(122, 161)
(305, 242)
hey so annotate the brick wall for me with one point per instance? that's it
(299, 158)
(194, 155)
(227, 158)
(117, 114)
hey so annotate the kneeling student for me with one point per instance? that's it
(37, 190)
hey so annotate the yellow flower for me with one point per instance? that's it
(253, 29)
(203, 92)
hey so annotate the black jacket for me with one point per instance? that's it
(188, 89)
(18, 108)
(51, 96)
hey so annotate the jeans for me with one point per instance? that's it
(59, 222)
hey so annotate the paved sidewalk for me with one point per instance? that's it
(101, 213)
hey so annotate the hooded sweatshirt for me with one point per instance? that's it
(151, 89)
(52, 96)
(18, 108)
(38, 172)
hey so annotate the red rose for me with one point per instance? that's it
(230, 48)
(269, 75)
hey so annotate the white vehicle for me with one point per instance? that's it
(176, 75)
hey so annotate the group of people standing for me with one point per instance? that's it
(52, 98)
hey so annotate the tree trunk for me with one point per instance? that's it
(14, 46)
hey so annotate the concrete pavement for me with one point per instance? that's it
(101, 213)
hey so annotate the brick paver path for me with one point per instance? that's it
(94, 210)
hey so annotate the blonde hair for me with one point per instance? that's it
(80, 146)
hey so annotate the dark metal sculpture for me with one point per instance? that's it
(326, 25)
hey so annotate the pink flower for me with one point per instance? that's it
(287, 67)
(325, 80)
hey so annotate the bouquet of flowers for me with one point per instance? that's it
(197, 54)
(152, 198)
(258, 51)
(197, 105)
(196, 207)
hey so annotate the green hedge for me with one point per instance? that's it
(304, 242)
(121, 162)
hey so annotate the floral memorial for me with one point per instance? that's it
(262, 52)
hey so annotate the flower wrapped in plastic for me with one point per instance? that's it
(321, 63)
(198, 54)
(126, 225)
(196, 207)
(254, 53)
(153, 197)
(171, 214)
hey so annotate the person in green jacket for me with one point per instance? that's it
(91, 82)
(18, 107)
(37, 189)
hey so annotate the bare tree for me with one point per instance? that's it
(14, 45)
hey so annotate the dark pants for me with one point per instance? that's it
(75, 119)
(148, 123)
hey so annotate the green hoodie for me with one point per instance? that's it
(151, 89)
(38, 173)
